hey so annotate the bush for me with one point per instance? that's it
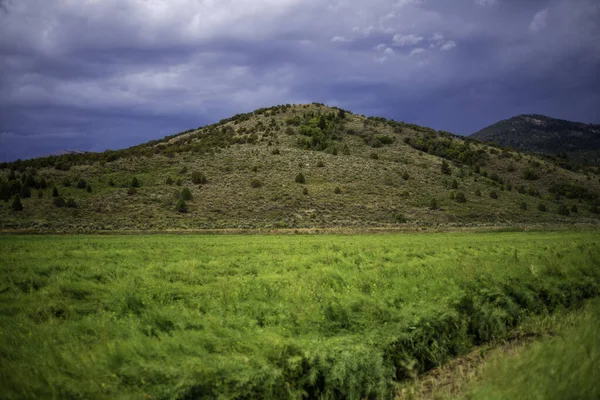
(405, 176)
(71, 203)
(494, 194)
(59, 202)
(131, 191)
(530, 175)
(542, 207)
(43, 184)
(54, 192)
(16, 204)
(199, 178)
(454, 184)
(111, 182)
(169, 181)
(574, 209)
(40, 194)
(181, 206)
(399, 218)
(445, 168)
(305, 191)
(478, 193)
(89, 188)
(81, 184)
(135, 183)
(66, 182)
(337, 190)
(523, 206)
(275, 152)
(25, 192)
(460, 197)
(255, 183)
(564, 210)
(374, 156)
(186, 194)
(179, 182)
(320, 164)
(300, 178)
(433, 204)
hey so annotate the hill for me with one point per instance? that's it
(296, 166)
(540, 134)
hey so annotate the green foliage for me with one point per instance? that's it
(300, 178)
(445, 168)
(16, 204)
(199, 178)
(186, 194)
(405, 176)
(571, 190)
(59, 202)
(530, 174)
(399, 218)
(320, 164)
(89, 188)
(542, 207)
(454, 184)
(66, 182)
(135, 183)
(81, 184)
(460, 197)
(40, 194)
(374, 156)
(493, 194)
(305, 191)
(25, 192)
(574, 209)
(564, 210)
(433, 204)
(131, 191)
(337, 190)
(523, 206)
(478, 193)
(187, 316)
(181, 206)
(55, 192)
(111, 182)
(71, 203)
(276, 152)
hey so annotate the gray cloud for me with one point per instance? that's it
(75, 70)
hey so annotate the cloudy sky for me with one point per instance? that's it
(106, 74)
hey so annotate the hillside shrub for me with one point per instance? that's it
(131, 191)
(445, 168)
(305, 191)
(564, 210)
(71, 203)
(25, 192)
(186, 194)
(16, 204)
(181, 206)
(300, 178)
(111, 182)
(542, 207)
(374, 156)
(135, 183)
(81, 184)
(169, 181)
(66, 182)
(40, 194)
(454, 184)
(530, 175)
(460, 197)
(54, 192)
(337, 190)
(320, 164)
(478, 193)
(405, 176)
(199, 178)
(574, 209)
(89, 188)
(433, 204)
(255, 183)
(523, 206)
(399, 218)
(275, 152)
(493, 194)
(58, 202)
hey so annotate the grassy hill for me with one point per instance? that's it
(297, 166)
(540, 134)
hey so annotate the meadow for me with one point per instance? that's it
(331, 316)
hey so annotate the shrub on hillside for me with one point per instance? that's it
(300, 178)
(66, 182)
(169, 181)
(58, 202)
(186, 194)
(181, 206)
(135, 183)
(131, 191)
(255, 183)
(454, 184)
(405, 176)
(71, 203)
(564, 210)
(530, 174)
(199, 178)
(111, 182)
(337, 190)
(478, 193)
(374, 156)
(40, 194)
(89, 188)
(81, 184)
(305, 191)
(445, 168)
(574, 209)
(25, 192)
(433, 204)
(320, 164)
(399, 218)
(54, 192)
(493, 194)
(16, 204)
(460, 197)
(523, 206)
(542, 207)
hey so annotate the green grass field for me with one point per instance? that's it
(182, 317)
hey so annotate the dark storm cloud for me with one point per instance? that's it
(107, 74)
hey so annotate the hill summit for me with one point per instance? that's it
(540, 134)
(296, 166)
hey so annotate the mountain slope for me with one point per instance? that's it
(541, 134)
(244, 172)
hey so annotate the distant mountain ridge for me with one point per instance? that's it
(541, 134)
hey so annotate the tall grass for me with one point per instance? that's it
(268, 316)
(565, 367)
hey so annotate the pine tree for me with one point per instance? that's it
(181, 206)
(300, 178)
(135, 183)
